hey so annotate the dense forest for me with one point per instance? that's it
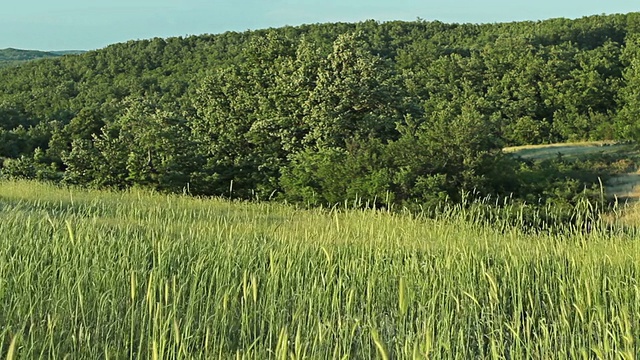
(408, 113)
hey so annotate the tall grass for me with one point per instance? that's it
(137, 275)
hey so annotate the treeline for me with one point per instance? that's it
(397, 112)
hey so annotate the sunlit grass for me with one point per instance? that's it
(569, 150)
(139, 275)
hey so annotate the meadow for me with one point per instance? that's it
(140, 275)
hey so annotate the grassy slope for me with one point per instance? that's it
(625, 186)
(93, 274)
(539, 152)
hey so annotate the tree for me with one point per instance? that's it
(627, 123)
(239, 120)
(145, 146)
(357, 96)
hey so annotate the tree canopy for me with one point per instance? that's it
(394, 112)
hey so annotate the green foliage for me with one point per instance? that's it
(144, 146)
(327, 176)
(356, 96)
(414, 113)
(36, 167)
(629, 96)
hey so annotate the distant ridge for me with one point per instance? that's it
(11, 56)
(68, 52)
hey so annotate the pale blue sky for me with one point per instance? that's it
(91, 24)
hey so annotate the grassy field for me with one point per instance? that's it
(545, 151)
(135, 275)
(625, 186)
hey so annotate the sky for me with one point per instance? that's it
(92, 24)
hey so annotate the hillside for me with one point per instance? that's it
(13, 57)
(399, 113)
(90, 274)
(67, 52)
(10, 54)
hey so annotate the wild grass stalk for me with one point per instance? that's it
(140, 275)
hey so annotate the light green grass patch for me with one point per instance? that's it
(547, 151)
(91, 274)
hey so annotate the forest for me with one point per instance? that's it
(393, 113)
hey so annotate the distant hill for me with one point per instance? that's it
(9, 56)
(68, 52)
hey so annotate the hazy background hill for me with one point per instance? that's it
(10, 56)
(395, 112)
